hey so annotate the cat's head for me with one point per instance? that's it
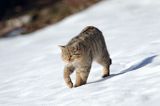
(70, 53)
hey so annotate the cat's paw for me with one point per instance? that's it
(76, 85)
(105, 75)
(70, 85)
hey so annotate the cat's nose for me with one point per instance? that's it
(69, 59)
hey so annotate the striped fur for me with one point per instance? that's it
(80, 52)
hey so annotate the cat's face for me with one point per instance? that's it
(70, 54)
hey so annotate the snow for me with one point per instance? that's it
(31, 69)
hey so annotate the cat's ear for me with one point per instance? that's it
(62, 47)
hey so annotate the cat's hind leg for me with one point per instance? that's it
(106, 66)
(105, 71)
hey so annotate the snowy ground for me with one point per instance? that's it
(31, 70)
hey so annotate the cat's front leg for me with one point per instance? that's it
(82, 75)
(79, 80)
(68, 70)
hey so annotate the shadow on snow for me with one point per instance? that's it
(141, 64)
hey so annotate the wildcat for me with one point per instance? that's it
(80, 52)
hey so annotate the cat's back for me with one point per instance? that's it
(90, 29)
(88, 33)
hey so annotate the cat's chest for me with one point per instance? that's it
(79, 64)
(76, 63)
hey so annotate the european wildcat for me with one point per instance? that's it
(79, 53)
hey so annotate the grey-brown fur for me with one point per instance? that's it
(80, 52)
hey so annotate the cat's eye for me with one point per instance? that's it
(77, 54)
(78, 49)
